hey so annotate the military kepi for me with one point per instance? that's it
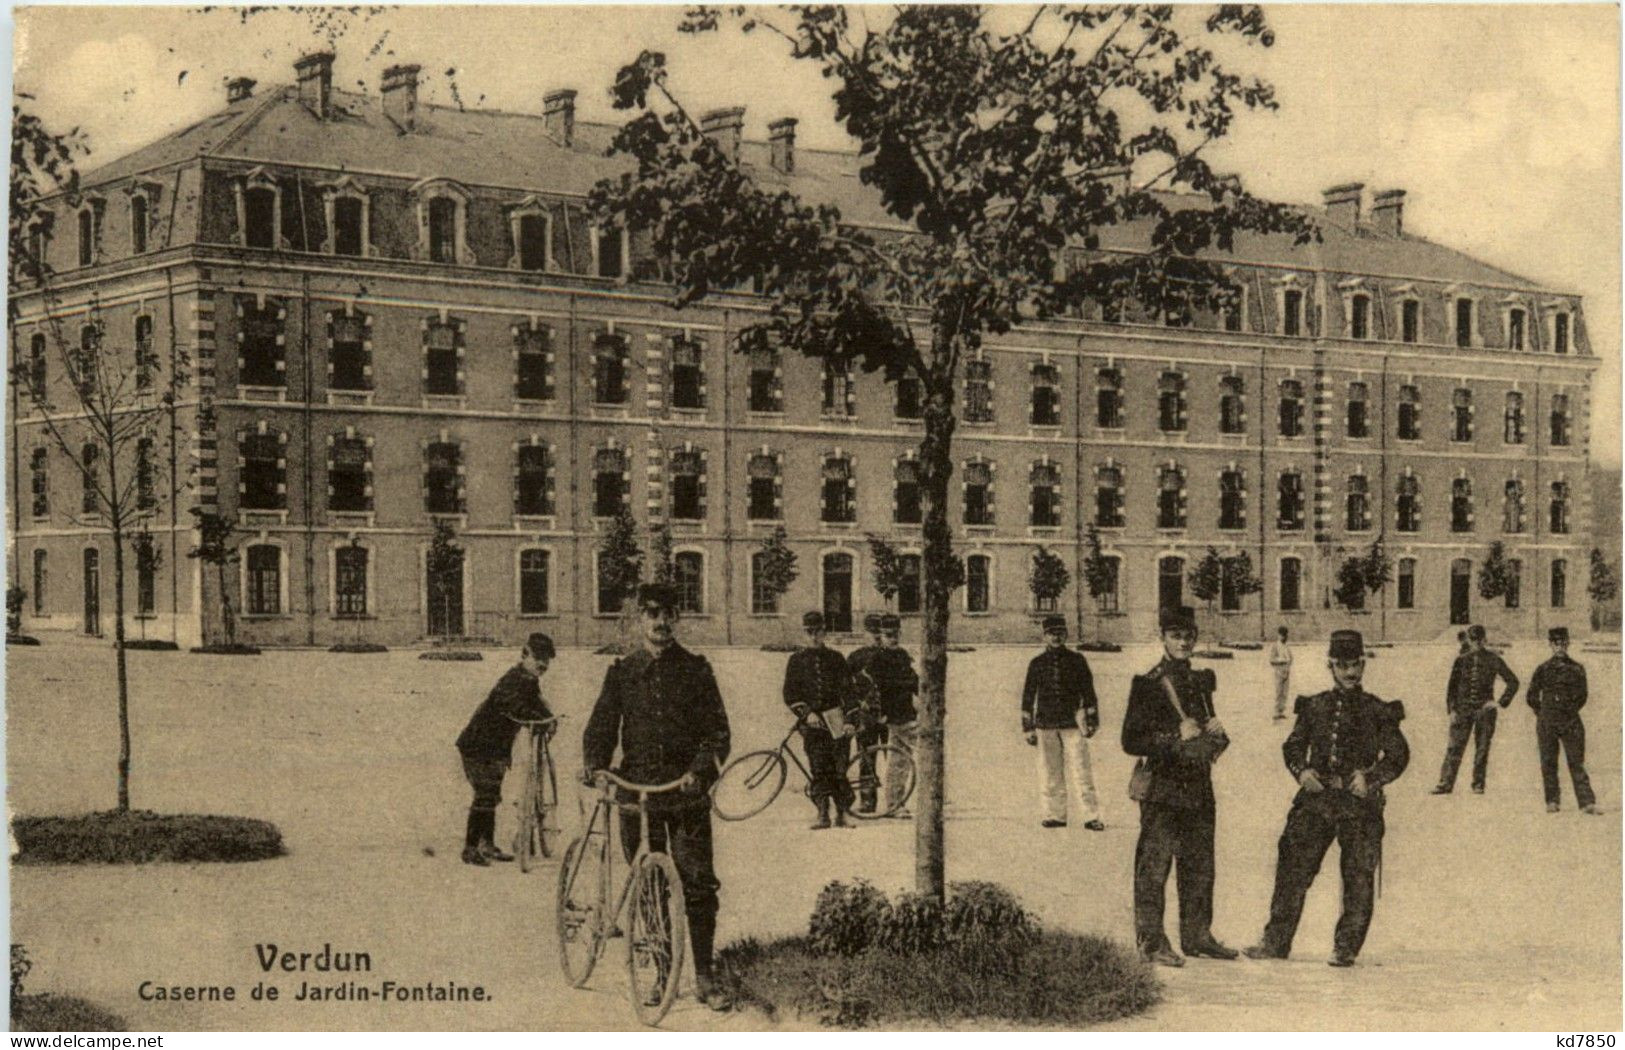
(540, 646)
(812, 621)
(1346, 645)
(1558, 636)
(1176, 618)
(871, 623)
(1054, 624)
(890, 622)
(656, 596)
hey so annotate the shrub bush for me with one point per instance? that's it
(62, 1013)
(846, 918)
(1099, 647)
(141, 837)
(20, 965)
(151, 645)
(450, 654)
(223, 649)
(358, 647)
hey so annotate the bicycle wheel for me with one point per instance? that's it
(526, 834)
(884, 772)
(580, 915)
(657, 936)
(748, 785)
(547, 810)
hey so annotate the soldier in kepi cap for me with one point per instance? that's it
(1059, 687)
(486, 744)
(1171, 725)
(896, 683)
(1345, 747)
(818, 689)
(1557, 692)
(871, 728)
(1470, 699)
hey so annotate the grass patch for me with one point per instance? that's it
(358, 647)
(234, 649)
(1099, 647)
(869, 961)
(1247, 646)
(152, 645)
(21, 639)
(450, 654)
(62, 1013)
(1213, 654)
(142, 837)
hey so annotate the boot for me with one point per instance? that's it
(823, 815)
(840, 818)
(488, 847)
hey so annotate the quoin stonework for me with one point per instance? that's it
(400, 314)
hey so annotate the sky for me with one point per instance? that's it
(1500, 121)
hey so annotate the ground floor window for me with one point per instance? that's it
(146, 579)
(609, 597)
(764, 600)
(350, 581)
(264, 580)
(908, 583)
(1406, 582)
(533, 582)
(42, 575)
(978, 589)
(688, 574)
(1560, 583)
(1107, 598)
(1291, 585)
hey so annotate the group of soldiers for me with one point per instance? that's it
(661, 713)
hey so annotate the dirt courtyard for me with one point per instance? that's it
(1494, 915)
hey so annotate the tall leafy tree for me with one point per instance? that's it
(1206, 577)
(1004, 145)
(217, 546)
(774, 568)
(886, 568)
(661, 567)
(620, 566)
(1047, 577)
(1495, 573)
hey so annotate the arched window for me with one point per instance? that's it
(1560, 420)
(1046, 406)
(1358, 408)
(1410, 413)
(1109, 399)
(1513, 429)
(1461, 408)
(1171, 402)
(1560, 508)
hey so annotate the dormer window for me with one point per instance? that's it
(259, 210)
(349, 218)
(1360, 316)
(531, 229)
(1464, 308)
(1516, 328)
(443, 222)
(1560, 333)
(138, 224)
(1410, 321)
(609, 251)
(1289, 300)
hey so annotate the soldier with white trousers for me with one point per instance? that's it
(1059, 685)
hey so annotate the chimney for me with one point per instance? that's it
(1388, 212)
(559, 115)
(315, 72)
(239, 88)
(724, 127)
(781, 135)
(400, 91)
(1343, 203)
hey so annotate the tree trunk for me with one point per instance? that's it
(228, 622)
(936, 460)
(123, 673)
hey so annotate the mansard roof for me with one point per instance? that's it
(492, 148)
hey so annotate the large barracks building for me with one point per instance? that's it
(396, 315)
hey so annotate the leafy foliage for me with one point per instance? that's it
(142, 837)
(660, 557)
(846, 918)
(1097, 569)
(1361, 574)
(1236, 575)
(775, 564)
(621, 566)
(1495, 573)
(1207, 577)
(15, 597)
(886, 567)
(1603, 583)
(1047, 576)
(444, 558)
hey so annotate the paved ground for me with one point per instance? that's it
(1494, 915)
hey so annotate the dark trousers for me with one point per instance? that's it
(1315, 820)
(1480, 725)
(485, 777)
(684, 832)
(867, 738)
(827, 756)
(1181, 838)
(1570, 732)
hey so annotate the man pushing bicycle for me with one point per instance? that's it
(660, 705)
(486, 744)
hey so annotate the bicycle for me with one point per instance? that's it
(652, 898)
(751, 782)
(538, 802)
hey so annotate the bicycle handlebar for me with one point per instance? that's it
(552, 720)
(604, 776)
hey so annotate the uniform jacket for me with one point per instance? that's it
(1058, 685)
(1341, 732)
(819, 678)
(1472, 681)
(1558, 689)
(1181, 770)
(896, 683)
(490, 733)
(666, 715)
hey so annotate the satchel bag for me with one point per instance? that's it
(1139, 781)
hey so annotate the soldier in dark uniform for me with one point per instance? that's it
(818, 688)
(486, 744)
(1059, 686)
(896, 683)
(1557, 692)
(1470, 699)
(871, 728)
(1345, 747)
(661, 706)
(1171, 725)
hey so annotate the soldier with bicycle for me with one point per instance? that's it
(661, 707)
(818, 688)
(895, 683)
(486, 744)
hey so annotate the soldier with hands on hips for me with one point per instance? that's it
(1470, 699)
(818, 689)
(660, 707)
(1344, 749)
(1059, 688)
(1557, 692)
(1170, 724)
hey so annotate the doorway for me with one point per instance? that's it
(838, 593)
(1461, 580)
(1170, 583)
